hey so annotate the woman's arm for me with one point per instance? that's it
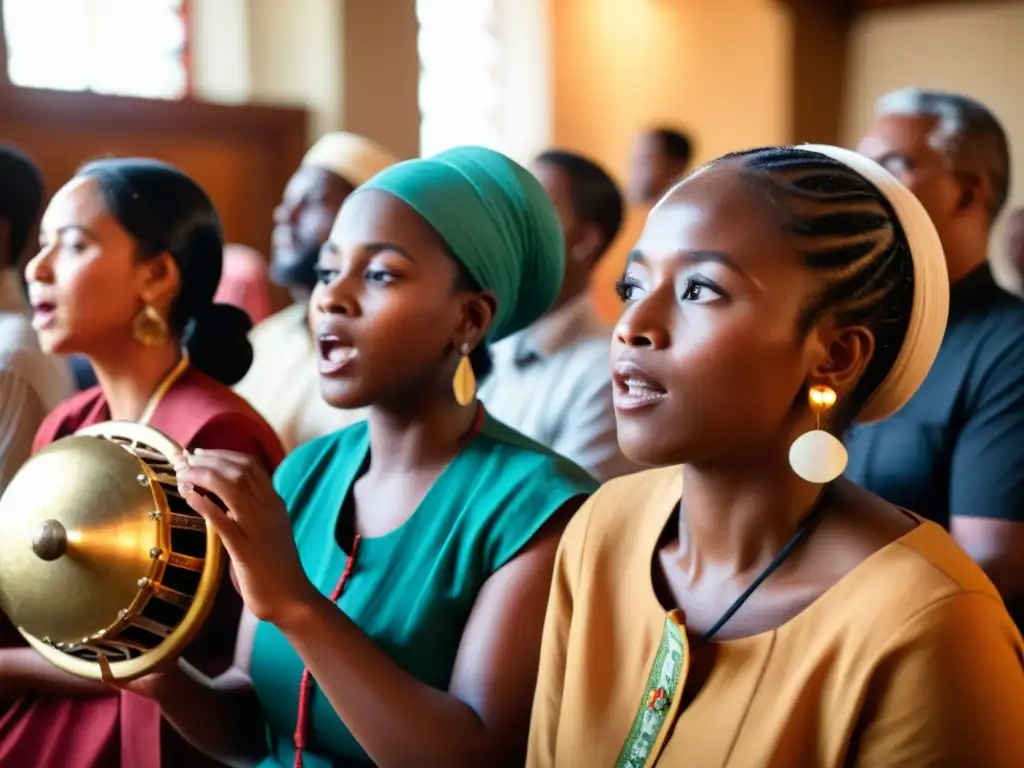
(24, 672)
(483, 718)
(398, 720)
(221, 717)
(547, 701)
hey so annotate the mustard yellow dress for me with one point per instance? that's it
(909, 661)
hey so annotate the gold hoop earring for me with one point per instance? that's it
(464, 383)
(818, 456)
(148, 327)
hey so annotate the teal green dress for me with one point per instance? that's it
(410, 590)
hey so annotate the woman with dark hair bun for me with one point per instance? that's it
(130, 258)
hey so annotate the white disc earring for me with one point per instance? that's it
(818, 456)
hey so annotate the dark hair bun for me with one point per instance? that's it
(166, 211)
(218, 342)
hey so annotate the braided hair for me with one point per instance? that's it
(847, 232)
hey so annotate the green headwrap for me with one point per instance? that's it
(498, 222)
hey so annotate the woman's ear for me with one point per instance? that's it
(845, 354)
(477, 315)
(160, 282)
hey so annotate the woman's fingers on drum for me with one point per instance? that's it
(221, 521)
(238, 471)
(215, 458)
(236, 456)
(226, 486)
(215, 464)
(254, 473)
(248, 478)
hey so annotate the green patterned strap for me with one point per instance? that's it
(665, 682)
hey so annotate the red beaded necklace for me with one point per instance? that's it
(306, 683)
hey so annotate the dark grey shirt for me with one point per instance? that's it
(957, 448)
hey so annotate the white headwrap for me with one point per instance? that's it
(355, 158)
(930, 308)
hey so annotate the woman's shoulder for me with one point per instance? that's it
(200, 412)
(907, 603)
(210, 395)
(500, 492)
(625, 503)
(509, 459)
(334, 451)
(931, 550)
(919, 571)
(200, 398)
(924, 640)
(79, 404)
(620, 520)
(648, 486)
(68, 417)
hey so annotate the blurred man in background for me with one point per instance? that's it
(955, 452)
(552, 381)
(661, 157)
(1015, 243)
(283, 383)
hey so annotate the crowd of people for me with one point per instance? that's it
(727, 469)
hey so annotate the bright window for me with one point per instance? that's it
(122, 47)
(460, 74)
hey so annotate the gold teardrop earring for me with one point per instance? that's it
(818, 456)
(464, 383)
(148, 327)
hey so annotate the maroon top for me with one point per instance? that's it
(122, 728)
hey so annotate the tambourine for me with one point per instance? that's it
(100, 555)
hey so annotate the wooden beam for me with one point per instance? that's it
(242, 155)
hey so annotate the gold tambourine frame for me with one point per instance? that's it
(132, 435)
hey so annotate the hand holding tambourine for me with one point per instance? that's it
(254, 527)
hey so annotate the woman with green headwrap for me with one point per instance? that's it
(403, 625)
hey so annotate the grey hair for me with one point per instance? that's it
(966, 133)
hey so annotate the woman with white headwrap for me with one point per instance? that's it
(743, 605)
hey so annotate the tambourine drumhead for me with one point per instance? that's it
(99, 554)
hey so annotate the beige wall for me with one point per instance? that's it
(380, 66)
(315, 53)
(978, 51)
(721, 69)
(582, 74)
(296, 57)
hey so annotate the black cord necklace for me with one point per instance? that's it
(806, 524)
